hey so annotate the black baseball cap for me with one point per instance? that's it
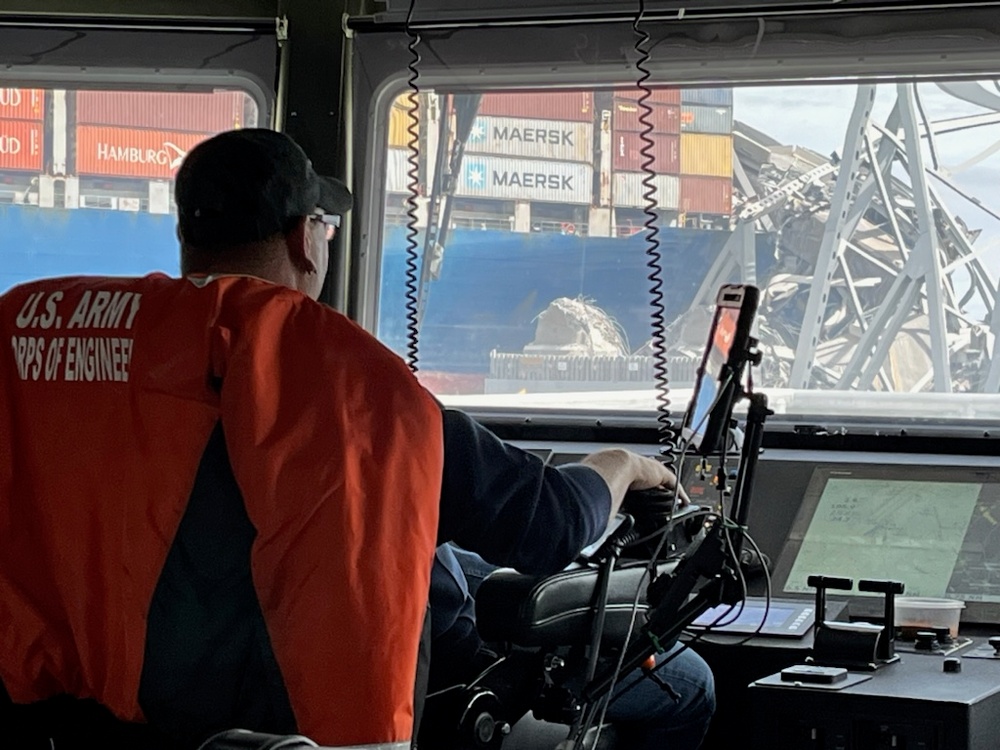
(243, 186)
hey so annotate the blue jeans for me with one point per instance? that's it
(646, 716)
(673, 717)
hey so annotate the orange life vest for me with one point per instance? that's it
(110, 390)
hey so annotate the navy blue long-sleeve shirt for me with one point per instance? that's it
(511, 509)
(507, 506)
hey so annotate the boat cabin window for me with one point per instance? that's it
(867, 212)
(86, 175)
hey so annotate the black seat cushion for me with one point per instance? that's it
(557, 610)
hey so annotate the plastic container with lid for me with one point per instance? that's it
(915, 613)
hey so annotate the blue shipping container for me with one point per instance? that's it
(697, 118)
(708, 97)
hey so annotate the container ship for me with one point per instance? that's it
(113, 150)
(547, 208)
(544, 237)
(551, 182)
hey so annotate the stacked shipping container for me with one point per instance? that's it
(568, 106)
(22, 116)
(522, 147)
(691, 149)
(395, 174)
(552, 138)
(706, 151)
(627, 145)
(399, 123)
(531, 148)
(147, 134)
(541, 148)
(397, 163)
(132, 152)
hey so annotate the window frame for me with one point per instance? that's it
(237, 59)
(911, 46)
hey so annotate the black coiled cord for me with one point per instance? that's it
(413, 188)
(655, 258)
(597, 711)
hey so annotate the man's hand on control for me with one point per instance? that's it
(624, 470)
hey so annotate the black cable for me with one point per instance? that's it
(605, 701)
(723, 480)
(614, 550)
(737, 608)
(723, 483)
(681, 456)
(232, 47)
(664, 425)
(591, 710)
(655, 258)
(413, 189)
(652, 535)
(767, 595)
(650, 571)
(74, 36)
(717, 623)
(700, 636)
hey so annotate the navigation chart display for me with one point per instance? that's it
(936, 529)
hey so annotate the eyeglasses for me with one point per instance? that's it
(330, 222)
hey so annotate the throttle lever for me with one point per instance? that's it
(653, 500)
(655, 511)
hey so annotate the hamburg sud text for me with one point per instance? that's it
(43, 352)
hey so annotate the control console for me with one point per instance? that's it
(922, 702)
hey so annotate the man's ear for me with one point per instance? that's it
(300, 251)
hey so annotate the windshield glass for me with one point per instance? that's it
(86, 176)
(867, 214)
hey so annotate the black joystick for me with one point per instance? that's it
(655, 509)
(656, 500)
(944, 636)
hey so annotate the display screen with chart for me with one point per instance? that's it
(936, 529)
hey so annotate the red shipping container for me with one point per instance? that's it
(656, 96)
(22, 104)
(706, 195)
(21, 145)
(119, 152)
(627, 155)
(192, 112)
(575, 106)
(666, 118)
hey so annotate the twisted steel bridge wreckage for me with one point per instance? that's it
(874, 269)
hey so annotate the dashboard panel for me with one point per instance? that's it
(931, 521)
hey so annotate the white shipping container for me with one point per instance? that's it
(397, 165)
(535, 139)
(627, 191)
(525, 180)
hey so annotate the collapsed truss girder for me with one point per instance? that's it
(930, 252)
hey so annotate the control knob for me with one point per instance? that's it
(927, 640)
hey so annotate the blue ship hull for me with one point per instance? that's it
(493, 284)
(37, 242)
